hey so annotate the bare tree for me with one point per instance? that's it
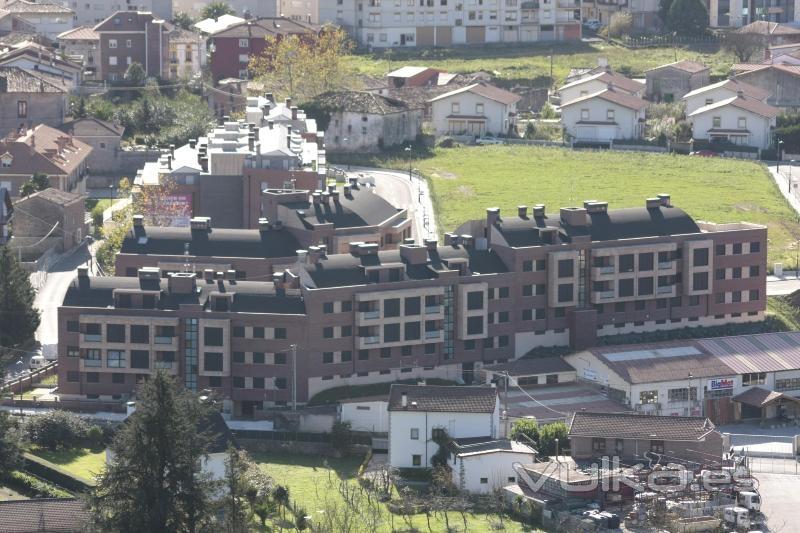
(743, 45)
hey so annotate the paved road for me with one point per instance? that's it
(48, 298)
(413, 195)
(779, 496)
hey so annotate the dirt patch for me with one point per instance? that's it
(444, 175)
(750, 208)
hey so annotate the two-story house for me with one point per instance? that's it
(604, 116)
(48, 17)
(478, 109)
(722, 90)
(80, 45)
(29, 98)
(738, 119)
(599, 81)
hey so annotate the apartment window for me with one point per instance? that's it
(719, 274)
(244, 43)
(787, 384)
(737, 248)
(716, 122)
(502, 341)
(502, 316)
(682, 394)
(258, 382)
(610, 115)
(430, 349)
(719, 298)
(754, 295)
(258, 358)
(474, 300)
(391, 307)
(412, 306)
(244, 58)
(346, 356)
(598, 445)
(700, 281)
(140, 359)
(694, 301)
(22, 112)
(484, 480)
(625, 288)
(754, 271)
(527, 266)
(327, 357)
(527, 290)
(115, 333)
(565, 292)
(414, 434)
(391, 333)
(280, 333)
(720, 249)
(755, 247)
(212, 362)
(626, 263)
(584, 114)
(73, 351)
(280, 358)
(327, 332)
(115, 359)
(238, 357)
(347, 306)
(140, 334)
(73, 326)
(645, 286)
(645, 262)
(742, 123)
(648, 396)
(474, 325)
(416, 460)
(280, 383)
(238, 331)
(327, 307)
(258, 332)
(566, 268)
(212, 336)
(503, 292)
(238, 382)
(455, 107)
(112, 43)
(736, 272)
(478, 109)
(112, 60)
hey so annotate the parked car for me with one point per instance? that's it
(37, 362)
(593, 24)
(489, 140)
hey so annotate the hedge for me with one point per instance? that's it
(55, 474)
(32, 486)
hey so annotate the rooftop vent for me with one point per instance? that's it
(538, 211)
(522, 211)
(200, 223)
(653, 203)
(665, 199)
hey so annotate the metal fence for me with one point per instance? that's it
(775, 454)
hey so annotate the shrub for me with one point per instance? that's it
(33, 487)
(548, 112)
(621, 24)
(547, 439)
(341, 437)
(56, 429)
(526, 427)
(95, 437)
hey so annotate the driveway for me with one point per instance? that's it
(779, 496)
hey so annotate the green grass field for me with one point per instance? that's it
(467, 180)
(526, 61)
(310, 482)
(81, 462)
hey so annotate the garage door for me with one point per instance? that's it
(425, 36)
(587, 133)
(476, 34)
(444, 35)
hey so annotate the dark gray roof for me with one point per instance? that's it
(446, 399)
(629, 223)
(529, 367)
(216, 242)
(343, 270)
(43, 514)
(249, 296)
(360, 102)
(217, 430)
(646, 427)
(359, 208)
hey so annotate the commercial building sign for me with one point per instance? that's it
(720, 384)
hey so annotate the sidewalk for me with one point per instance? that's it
(781, 179)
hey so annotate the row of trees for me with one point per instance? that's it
(19, 319)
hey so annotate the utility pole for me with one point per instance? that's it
(294, 377)
(505, 401)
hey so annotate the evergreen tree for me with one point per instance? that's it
(183, 20)
(155, 481)
(10, 453)
(688, 17)
(215, 10)
(236, 488)
(18, 318)
(80, 111)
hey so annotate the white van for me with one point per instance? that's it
(37, 362)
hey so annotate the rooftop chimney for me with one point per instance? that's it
(269, 96)
(653, 203)
(740, 94)
(192, 143)
(200, 223)
(467, 240)
(354, 246)
(138, 221)
(301, 256)
(208, 275)
(573, 216)
(492, 215)
(450, 239)
(294, 112)
(431, 244)
(204, 164)
(230, 275)
(404, 400)
(182, 282)
(288, 102)
(83, 272)
(270, 123)
(335, 197)
(538, 211)
(347, 190)
(665, 199)
(263, 224)
(408, 241)
(593, 206)
(331, 188)
(548, 234)
(522, 211)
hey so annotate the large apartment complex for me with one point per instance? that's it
(491, 292)
(391, 23)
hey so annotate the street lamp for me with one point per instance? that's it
(780, 150)
(407, 150)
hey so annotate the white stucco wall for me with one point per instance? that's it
(458, 425)
(497, 122)
(496, 468)
(371, 416)
(759, 127)
(627, 121)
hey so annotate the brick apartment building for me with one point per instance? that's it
(275, 147)
(128, 37)
(295, 220)
(509, 285)
(233, 47)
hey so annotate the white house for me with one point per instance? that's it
(480, 466)
(49, 18)
(533, 371)
(366, 414)
(722, 90)
(604, 116)
(598, 82)
(418, 414)
(738, 119)
(478, 109)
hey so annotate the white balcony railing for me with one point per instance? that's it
(433, 309)
(163, 340)
(665, 290)
(432, 334)
(164, 364)
(664, 264)
(605, 269)
(370, 315)
(92, 338)
(605, 295)
(92, 362)
(371, 340)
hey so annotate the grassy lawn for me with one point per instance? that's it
(311, 482)
(83, 463)
(467, 180)
(783, 309)
(526, 61)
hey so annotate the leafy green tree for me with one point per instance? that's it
(341, 437)
(281, 496)
(215, 10)
(38, 182)
(621, 24)
(183, 20)
(80, 110)
(663, 10)
(688, 17)
(10, 445)
(525, 430)
(547, 438)
(18, 317)
(135, 74)
(57, 430)
(155, 480)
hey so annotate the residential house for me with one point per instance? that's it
(228, 97)
(781, 80)
(80, 45)
(211, 26)
(478, 109)
(241, 8)
(128, 37)
(62, 515)
(14, 24)
(364, 121)
(103, 137)
(49, 18)
(43, 150)
(233, 47)
(187, 54)
(773, 33)
(635, 438)
(737, 13)
(738, 120)
(604, 116)
(6, 212)
(785, 53)
(533, 371)
(39, 213)
(91, 12)
(38, 59)
(29, 98)
(722, 90)
(381, 25)
(423, 417)
(595, 83)
(482, 465)
(670, 82)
